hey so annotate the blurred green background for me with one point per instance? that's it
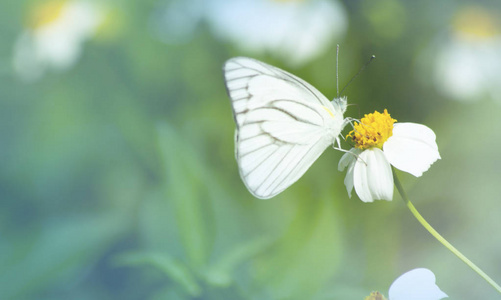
(118, 177)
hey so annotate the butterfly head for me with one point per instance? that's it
(340, 104)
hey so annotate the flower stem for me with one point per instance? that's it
(440, 238)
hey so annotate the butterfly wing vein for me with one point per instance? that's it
(283, 125)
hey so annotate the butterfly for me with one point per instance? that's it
(283, 124)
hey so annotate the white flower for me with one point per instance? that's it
(417, 284)
(55, 38)
(466, 61)
(380, 143)
(293, 31)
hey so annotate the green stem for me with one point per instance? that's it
(441, 238)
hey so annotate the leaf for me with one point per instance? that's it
(63, 249)
(184, 189)
(174, 269)
(306, 257)
(220, 273)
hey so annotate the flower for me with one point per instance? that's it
(466, 60)
(294, 31)
(54, 37)
(379, 143)
(416, 284)
(375, 296)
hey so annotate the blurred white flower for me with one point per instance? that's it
(467, 62)
(55, 37)
(293, 31)
(417, 284)
(379, 142)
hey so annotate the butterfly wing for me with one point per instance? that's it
(283, 124)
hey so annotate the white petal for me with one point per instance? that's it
(348, 160)
(372, 176)
(411, 148)
(417, 284)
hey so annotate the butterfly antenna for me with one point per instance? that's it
(337, 70)
(356, 75)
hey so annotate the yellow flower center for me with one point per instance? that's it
(375, 296)
(45, 13)
(476, 23)
(373, 130)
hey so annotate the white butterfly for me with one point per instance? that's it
(283, 124)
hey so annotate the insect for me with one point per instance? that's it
(283, 124)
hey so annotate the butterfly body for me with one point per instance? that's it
(283, 124)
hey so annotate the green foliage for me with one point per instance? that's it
(118, 178)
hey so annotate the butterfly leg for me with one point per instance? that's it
(357, 156)
(350, 121)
